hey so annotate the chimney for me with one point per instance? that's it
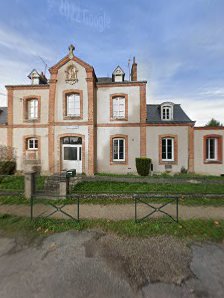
(134, 75)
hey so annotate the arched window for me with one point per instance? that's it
(118, 149)
(73, 105)
(167, 111)
(119, 107)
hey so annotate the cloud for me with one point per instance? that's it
(22, 43)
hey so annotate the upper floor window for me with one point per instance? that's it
(119, 107)
(73, 105)
(167, 149)
(32, 144)
(167, 111)
(118, 149)
(32, 109)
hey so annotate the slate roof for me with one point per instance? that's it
(154, 115)
(3, 115)
(108, 80)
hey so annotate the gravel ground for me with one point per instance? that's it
(96, 264)
(117, 212)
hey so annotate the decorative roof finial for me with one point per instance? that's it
(71, 49)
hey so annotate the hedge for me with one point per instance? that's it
(7, 167)
(143, 165)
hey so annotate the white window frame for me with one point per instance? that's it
(118, 149)
(119, 112)
(172, 158)
(73, 99)
(33, 147)
(208, 153)
(167, 112)
(32, 109)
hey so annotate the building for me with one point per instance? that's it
(77, 120)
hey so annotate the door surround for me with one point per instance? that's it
(59, 151)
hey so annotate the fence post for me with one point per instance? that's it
(29, 184)
(64, 187)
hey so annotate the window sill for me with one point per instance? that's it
(31, 120)
(73, 118)
(118, 119)
(209, 162)
(167, 162)
(118, 163)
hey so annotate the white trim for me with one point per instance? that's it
(118, 149)
(34, 144)
(73, 105)
(215, 149)
(167, 112)
(172, 144)
(119, 107)
(32, 108)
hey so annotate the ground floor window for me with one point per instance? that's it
(167, 149)
(211, 148)
(118, 149)
(32, 144)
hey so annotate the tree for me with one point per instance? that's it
(214, 123)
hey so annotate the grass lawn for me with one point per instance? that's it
(14, 183)
(192, 229)
(20, 200)
(165, 175)
(124, 187)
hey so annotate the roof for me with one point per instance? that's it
(3, 115)
(154, 115)
(108, 80)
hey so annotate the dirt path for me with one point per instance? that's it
(117, 212)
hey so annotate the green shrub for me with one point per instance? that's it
(7, 167)
(143, 165)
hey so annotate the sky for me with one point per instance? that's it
(178, 45)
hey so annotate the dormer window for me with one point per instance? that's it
(118, 75)
(37, 78)
(167, 111)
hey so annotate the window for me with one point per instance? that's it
(167, 149)
(211, 148)
(119, 107)
(166, 113)
(32, 144)
(73, 105)
(32, 109)
(118, 149)
(72, 140)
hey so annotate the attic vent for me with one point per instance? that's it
(118, 75)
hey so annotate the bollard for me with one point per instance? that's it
(29, 184)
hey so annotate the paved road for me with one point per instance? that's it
(94, 264)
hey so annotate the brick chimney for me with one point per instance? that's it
(134, 75)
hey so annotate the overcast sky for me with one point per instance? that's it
(178, 44)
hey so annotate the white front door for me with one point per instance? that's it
(72, 157)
